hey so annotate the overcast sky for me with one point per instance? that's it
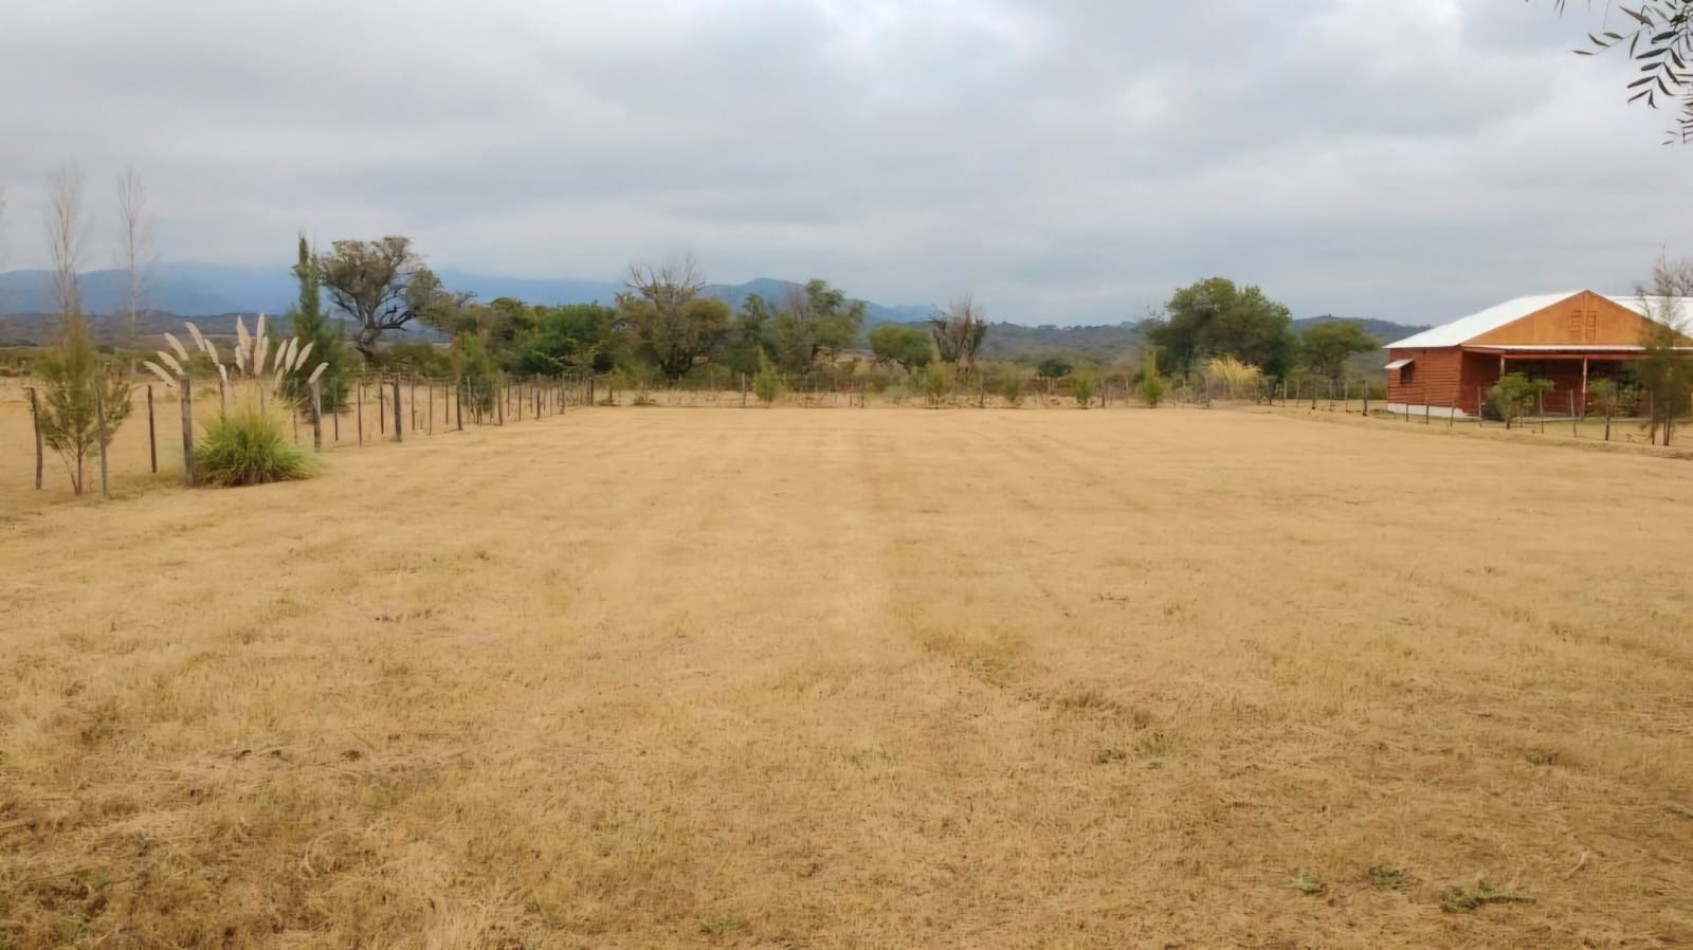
(1068, 160)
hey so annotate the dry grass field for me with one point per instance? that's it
(859, 679)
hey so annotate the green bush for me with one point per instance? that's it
(1011, 386)
(248, 445)
(478, 379)
(1151, 386)
(1083, 387)
(767, 385)
(936, 382)
(1516, 394)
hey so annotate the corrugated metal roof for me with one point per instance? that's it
(1462, 330)
(1468, 328)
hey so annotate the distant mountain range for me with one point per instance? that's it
(198, 290)
(212, 294)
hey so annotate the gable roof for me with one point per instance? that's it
(1464, 329)
(1486, 321)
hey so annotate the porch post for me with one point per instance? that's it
(1584, 386)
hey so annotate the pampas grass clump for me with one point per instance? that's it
(249, 445)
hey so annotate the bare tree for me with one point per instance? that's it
(66, 228)
(959, 331)
(134, 243)
(668, 285)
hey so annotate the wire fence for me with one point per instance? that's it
(164, 424)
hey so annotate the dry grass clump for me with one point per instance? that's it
(860, 679)
(249, 444)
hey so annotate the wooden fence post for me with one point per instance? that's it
(458, 397)
(429, 392)
(100, 433)
(358, 404)
(35, 420)
(496, 390)
(381, 409)
(317, 415)
(399, 433)
(152, 432)
(187, 431)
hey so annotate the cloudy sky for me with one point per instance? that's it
(1068, 160)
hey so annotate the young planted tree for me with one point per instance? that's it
(906, 346)
(1665, 374)
(322, 336)
(1012, 385)
(477, 375)
(767, 385)
(673, 323)
(959, 332)
(1084, 387)
(1515, 395)
(84, 399)
(1151, 386)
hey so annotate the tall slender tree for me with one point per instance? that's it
(134, 245)
(327, 338)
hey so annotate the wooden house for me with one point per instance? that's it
(1569, 338)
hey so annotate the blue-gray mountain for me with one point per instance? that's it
(197, 290)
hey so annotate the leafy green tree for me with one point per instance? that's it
(1054, 367)
(568, 338)
(78, 386)
(749, 339)
(906, 345)
(382, 285)
(312, 326)
(814, 324)
(1327, 346)
(674, 325)
(1516, 394)
(1215, 318)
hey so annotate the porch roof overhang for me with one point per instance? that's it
(1399, 364)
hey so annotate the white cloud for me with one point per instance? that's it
(1068, 159)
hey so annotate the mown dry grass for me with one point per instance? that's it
(861, 678)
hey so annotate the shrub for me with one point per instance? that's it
(475, 369)
(1151, 386)
(767, 385)
(1083, 387)
(897, 394)
(936, 382)
(249, 445)
(1516, 394)
(1055, 367)
(1011, 387)
(1237, 377)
